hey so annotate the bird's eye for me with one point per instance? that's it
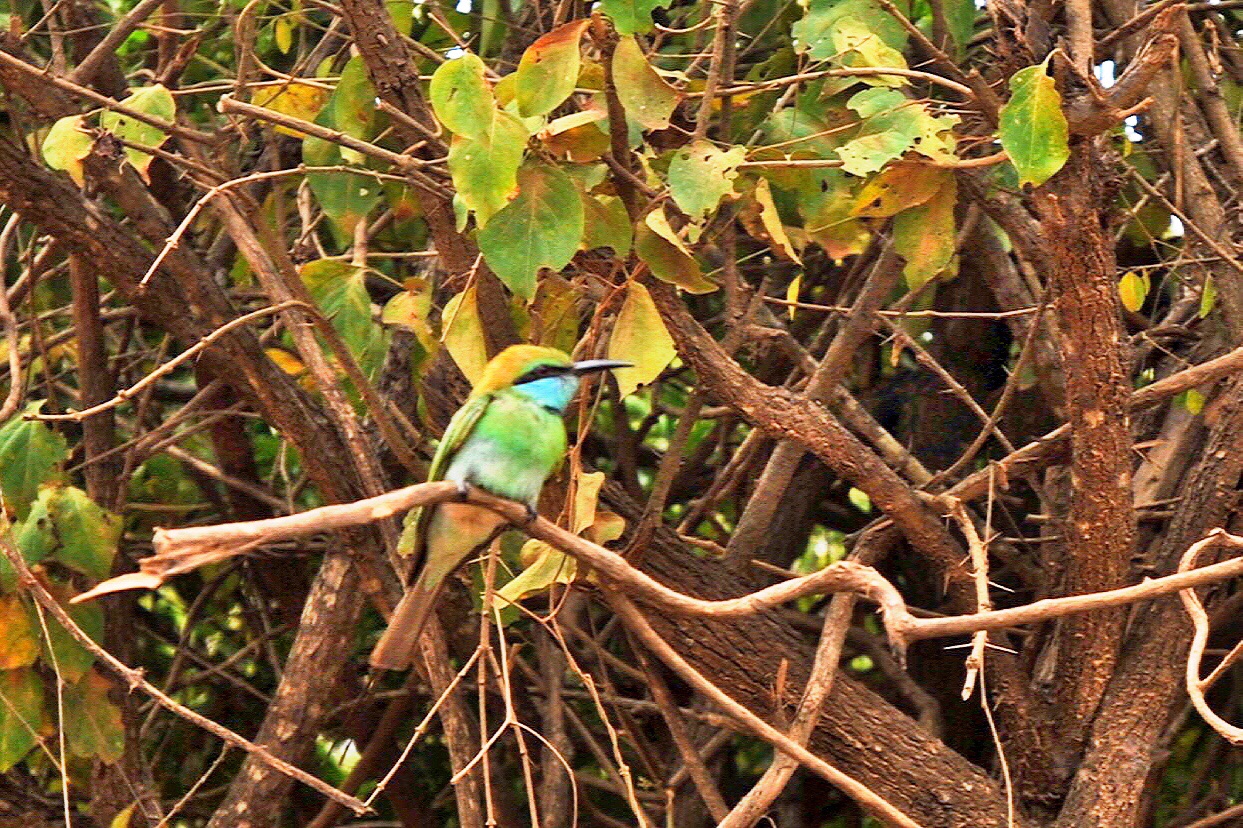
(540, 372)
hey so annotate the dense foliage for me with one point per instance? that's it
(945, 290)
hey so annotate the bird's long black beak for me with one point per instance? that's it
(591, 366)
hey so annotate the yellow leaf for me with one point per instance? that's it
(463, 334)
(545, 565)
(792, 293)
(122, 819)
(298, 100)
(586, 493)
(1133, 289)
(19, 643)
(639, 337)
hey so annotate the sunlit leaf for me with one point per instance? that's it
(815, 33)
(123, 817)
(462, 97)
(282, 33)
(858, 46)
(93, 726)
(299, 100)
(639, 337)
(463, 334)
(1208, 297)
(643, 93)
(155, 101)
(66, 144)
(631, 17)
(30, 455)
(700, 175)
(792, 291)
(548, 70)
(586, 495)
(924, 236)
(485, 170)
(545, 565)
(1033, 128)
(19, 645)
(540, 228)
(890, 127)
(21, 714)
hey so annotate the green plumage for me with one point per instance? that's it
(508, 438)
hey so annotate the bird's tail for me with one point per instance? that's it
(395, 650)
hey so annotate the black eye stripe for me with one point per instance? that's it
(541, 372)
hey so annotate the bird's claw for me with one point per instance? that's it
(463, 491)
(532, 514)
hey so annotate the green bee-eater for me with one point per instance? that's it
(508, 439)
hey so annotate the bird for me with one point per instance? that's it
(507, 438)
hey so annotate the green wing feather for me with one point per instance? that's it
(460, 427)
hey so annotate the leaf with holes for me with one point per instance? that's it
(345, 197)
(890, 126)
(700, 175)
(548, 70)
(640, 338)
(760, 217)
(859, 46)
(648, 100)
(818, 31)
(299, 100)
(899, 187)
(462, 97)
(1033, 128)
(21, 714)
(540, 228)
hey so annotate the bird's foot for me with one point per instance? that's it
(463, 491)
(532, 514)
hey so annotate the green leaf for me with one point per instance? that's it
(631, 17)
(606, 224)
(30, 455)
(402, 12)
(1208, 297)
(548, 70)
(93, 726)
(19, 645)
(899, 187)
(346, 198)
(353, 104)
(666, 255)
(1133, 290)
(66, 144)
(463, 334)
(1033, 129)
(859, 46)
(825, 200)
(149, 100)
(643, 93)
(924, 236)
(891, 123)
(540, 228)
(462, 97)
(61, 648)
(88, 535)
(340, 290)
(700, 175)
(411, 309)
(815, 33)
(485, 170)
(21, 714)
(639, 337)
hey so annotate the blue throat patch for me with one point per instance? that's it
(553, 393)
